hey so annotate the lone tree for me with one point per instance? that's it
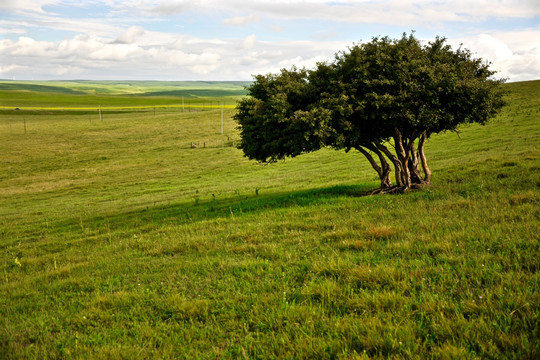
(384, 98)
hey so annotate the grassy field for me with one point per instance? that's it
(120, 240)
(85, 94)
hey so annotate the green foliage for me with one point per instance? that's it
(118, 240)
(385, 90)
(273, 121)
(403, 84)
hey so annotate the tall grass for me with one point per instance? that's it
(119, 240)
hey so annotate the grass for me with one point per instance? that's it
(144, 88)
(119, 240)
(82, 94)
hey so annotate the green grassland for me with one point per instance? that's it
(118, 239)
(81, 93)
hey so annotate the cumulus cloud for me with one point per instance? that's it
(26, 47)
(73, 56)
(514, 54)
(491, 48)
(129, 36)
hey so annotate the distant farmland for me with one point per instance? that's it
(82, 94)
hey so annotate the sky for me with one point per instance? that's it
(217, 40)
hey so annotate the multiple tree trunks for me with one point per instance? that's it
(383, 98)
(409, 162)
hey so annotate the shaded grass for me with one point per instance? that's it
(119, 240)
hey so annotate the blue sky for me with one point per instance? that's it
(235, 39)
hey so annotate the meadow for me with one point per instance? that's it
(119, 239)
(83, 95)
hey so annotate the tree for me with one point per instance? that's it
(384, 98)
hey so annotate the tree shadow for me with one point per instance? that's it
(213, 208)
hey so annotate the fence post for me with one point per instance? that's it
(99, 109)
(221, 118)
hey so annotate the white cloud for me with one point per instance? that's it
(27, 6)
(491, 47)
(124, 40)
(170, 7)
(150, 7)
(129, 36)
(26, 46)
(514, 54)
(249, 42)
(391, 12)
(100, 56)
(199, 63)
(10, 68)
(98, 27)
(18, 31)
(241, 20)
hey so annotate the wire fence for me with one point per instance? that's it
(187, 106)
(21, 120)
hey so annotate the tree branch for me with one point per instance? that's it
(397, 164)
(371, 160)
(386, 168)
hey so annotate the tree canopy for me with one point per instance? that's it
(384, 98)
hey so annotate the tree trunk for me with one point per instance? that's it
(422, 156)
(383, 171)
(406, 161)
(414, 168)
(387, 169)
(398, 167)
(403, 157)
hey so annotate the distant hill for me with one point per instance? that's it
(145, 88)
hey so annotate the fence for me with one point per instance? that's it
(187, 106)
(214, 143)
(15, 118)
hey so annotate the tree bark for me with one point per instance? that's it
(422, 156)
(383, 171)
(406, 161)
(414, 168)
(398, 167)
(403, 156)
(386, 168)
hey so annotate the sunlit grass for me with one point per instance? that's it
(120, 240)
